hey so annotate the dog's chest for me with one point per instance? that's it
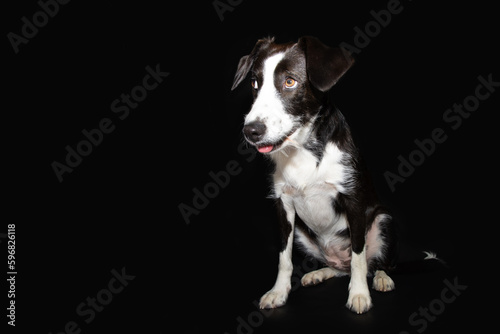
(312, 187)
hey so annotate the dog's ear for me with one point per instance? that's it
(244, 66)
(324, 65)
(246, 62)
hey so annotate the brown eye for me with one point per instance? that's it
(255, 85)
(290, 83)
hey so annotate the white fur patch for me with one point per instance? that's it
(382, 281)
(433, 256)
(359, 299)
(318, 276)
(278, 295)
(312, 187)
(268, 107)
(430, 256)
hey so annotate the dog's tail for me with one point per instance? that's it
(429, 255)
(425, 261)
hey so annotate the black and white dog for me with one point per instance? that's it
(324, 195)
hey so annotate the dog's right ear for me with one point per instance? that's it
(246, 62)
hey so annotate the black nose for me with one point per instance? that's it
(254, 131)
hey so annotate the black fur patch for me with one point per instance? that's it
(284, 224)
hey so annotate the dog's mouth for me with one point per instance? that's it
(270, 147)
(267, 147)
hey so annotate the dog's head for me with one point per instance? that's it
(288, 83)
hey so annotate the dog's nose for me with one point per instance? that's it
(254, 131)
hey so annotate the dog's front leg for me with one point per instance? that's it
(359, 299)
(278, 295)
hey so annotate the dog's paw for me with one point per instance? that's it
(317, 276)
(359, 303)
(382, 282)
(273, 299)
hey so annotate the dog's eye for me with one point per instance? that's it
(290, 83)
(255, 84)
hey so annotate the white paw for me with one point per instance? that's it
(359, 303)
(382, 282)
(273, 298)
(317, 276)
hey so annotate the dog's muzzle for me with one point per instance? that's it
(254, 133)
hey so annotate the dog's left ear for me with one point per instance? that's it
(324, 65)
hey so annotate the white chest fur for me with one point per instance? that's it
(312, 187)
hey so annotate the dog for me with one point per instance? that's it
(324, 197)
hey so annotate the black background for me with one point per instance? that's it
(119, 207)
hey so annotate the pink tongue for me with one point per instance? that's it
(265, 149)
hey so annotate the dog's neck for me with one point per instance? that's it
(328, 125)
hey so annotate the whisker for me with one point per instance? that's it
(295, 143)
